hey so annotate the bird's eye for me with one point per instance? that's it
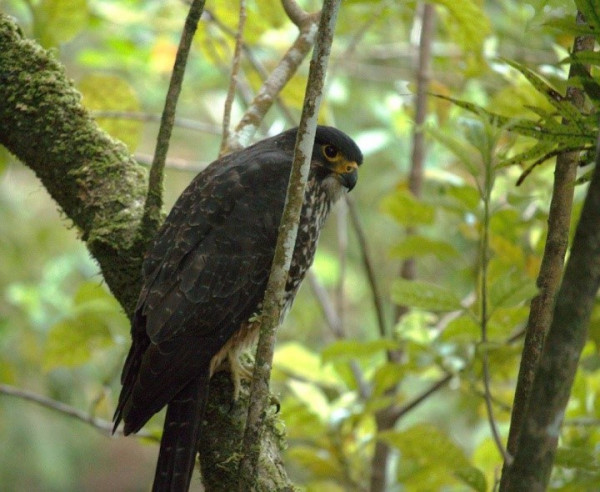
(330, 152)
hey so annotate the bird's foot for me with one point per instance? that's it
(240, 371)
(274, 401)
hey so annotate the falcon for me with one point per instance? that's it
(204, 279)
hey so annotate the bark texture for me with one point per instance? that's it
(92, 177)
(101, 189)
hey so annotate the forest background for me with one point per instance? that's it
(397, 367)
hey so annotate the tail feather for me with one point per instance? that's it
(179, 443)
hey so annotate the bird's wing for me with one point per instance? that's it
(205, 275)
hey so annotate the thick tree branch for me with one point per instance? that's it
(559, 221)
(101, 188)
(92, 177)
(554, 377)
(272, 304)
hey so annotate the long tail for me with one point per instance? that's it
(179, 443)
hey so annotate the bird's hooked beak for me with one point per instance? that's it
(347, 172)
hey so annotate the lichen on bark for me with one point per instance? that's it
(92, 177)
(102, 190)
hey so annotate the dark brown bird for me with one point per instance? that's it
(204, 279)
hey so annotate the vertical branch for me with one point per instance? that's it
(387, 417)
(368, 264)
(342, 237)
(559, 221)
(272, 304)
(415, 178)
(484, 255)
(235, 68)
(566, 338)
(255, 64)
(153, 206)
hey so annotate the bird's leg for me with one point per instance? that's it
(240, 370)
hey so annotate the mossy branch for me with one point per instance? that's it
(92, 177)
(101, 189)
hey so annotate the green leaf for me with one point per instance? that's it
(312, 397)
(71, 342)
(354, 349)
(564, 106)
(424, 295)
(428, 456)
(586, 57)
(457, 146)
(387, 376)
(462, 329)
(417, 246)
(548, 131)
(93, 324)
(469, 25)
(111, 93)
(577, 458)
(59, 21)
(467, 196)
(591, 11)
(568, 25)
(314, 459)
(294, 358)
(534, 152)
(407, 210)
(427, 444)
(473, 477)
(511, 289)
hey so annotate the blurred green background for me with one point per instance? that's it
(64, 337)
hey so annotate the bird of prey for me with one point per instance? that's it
(204, 279)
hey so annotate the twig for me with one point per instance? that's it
(276, 81)
(271, 311)
(337, 328)
(342, 250)
(484, 255)
(256, 65)
(235, 68)
(400, 412)
(559, 220)
(173, 163)
(138, 116)
(103, 426)
(243, 88)
(329, 312)
(368, 264)
(154, 200)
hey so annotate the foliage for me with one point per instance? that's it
(477, 239)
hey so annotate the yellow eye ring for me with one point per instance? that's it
(330, 152)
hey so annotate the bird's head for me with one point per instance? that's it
(335, 159)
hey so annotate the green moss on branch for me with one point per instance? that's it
(91, 176)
